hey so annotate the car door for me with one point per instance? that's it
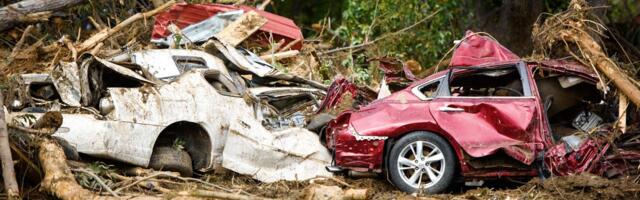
(489, 109)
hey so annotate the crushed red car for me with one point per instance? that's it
(197, 20)
(490, 114)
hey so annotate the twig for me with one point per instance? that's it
(19, 45)
(98, 179)
(30, 130)
(381, 37)
(218, 195)
(139, 180)
(337, 181)
(196, 180)
(288, 46)
(26, 159)
(264, 4)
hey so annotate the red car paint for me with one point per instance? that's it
(184, 14)
(516, 125)
(476, 50)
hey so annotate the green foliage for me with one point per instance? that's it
(366, 20)
(99, 169)
(178, 144)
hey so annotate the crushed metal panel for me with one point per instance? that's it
(294, 154)
(485, 125)
(122, 70)
(203, 30)
(66, 79)
(476, 50)
(161, 62)
(243, 59)
(183, 14)
(102, 138)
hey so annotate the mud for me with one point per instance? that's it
(574, 187)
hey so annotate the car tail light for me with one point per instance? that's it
(106, 105)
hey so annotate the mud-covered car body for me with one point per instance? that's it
(121, 113)
(498, 118)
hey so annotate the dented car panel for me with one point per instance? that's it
(477, 127)
(128, 120)
(167, 64)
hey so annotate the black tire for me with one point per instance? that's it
(319, 122)
(426, 166)
(171, 159)
(69, 151)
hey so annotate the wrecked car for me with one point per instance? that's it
(488, 115)
(177, 110)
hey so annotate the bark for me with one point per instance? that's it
(279, 56)
(19, 12)
(509, 21)
(606, 66)
(8, 172)
(58, 179)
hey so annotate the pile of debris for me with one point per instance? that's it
(233, 91)
(207, 93)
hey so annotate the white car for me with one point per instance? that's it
(178, 110)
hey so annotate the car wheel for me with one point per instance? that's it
(421, 160)
(171, 159)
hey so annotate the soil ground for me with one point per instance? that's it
(575, 187)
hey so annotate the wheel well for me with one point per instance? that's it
(192, 136)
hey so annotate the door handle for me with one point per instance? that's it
(450, 109)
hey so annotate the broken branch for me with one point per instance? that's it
(19, 45)
(278, 56)
(27, 10)
(108, 32)
(8, 172)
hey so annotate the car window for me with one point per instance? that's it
(430, 89)
(186, 63)
(221, 83)
(486, 82)
(427, 90)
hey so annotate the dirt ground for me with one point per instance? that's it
(575, 187)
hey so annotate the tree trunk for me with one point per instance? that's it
(509, 21)
(8, 172)
(15, 13)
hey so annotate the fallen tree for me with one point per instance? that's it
(579, 33)
(29, 10)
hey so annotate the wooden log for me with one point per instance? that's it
(20, 12)
(58, 179)
(8, 172)
(602, 62)
(108, 32)
(281, 55)
(355, 194)
(242, 28)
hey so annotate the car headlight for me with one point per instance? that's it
(106, 105)
(15, 104)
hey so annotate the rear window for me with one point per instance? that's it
(186, 63)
